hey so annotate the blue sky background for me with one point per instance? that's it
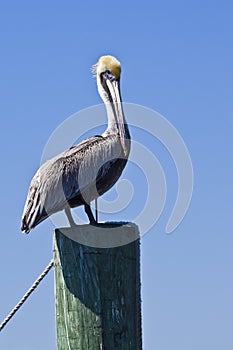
(177, 59)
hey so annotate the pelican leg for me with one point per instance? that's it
(96, 211)
(69, 216)
(89, 214)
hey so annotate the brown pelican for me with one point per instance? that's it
(84, 172)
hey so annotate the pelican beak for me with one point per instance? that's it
(113, 91)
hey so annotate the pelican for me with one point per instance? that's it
(84, 172)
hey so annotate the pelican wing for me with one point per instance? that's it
(67, 176)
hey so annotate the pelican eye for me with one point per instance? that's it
(108, 75)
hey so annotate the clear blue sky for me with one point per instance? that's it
(177, 59)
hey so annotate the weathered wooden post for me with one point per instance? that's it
(97, 287)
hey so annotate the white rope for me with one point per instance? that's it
(26, 295)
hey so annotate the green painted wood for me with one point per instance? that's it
(97, 292)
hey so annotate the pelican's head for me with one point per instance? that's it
(108, 71)
(108, 64)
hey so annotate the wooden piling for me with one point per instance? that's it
(97, 290)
